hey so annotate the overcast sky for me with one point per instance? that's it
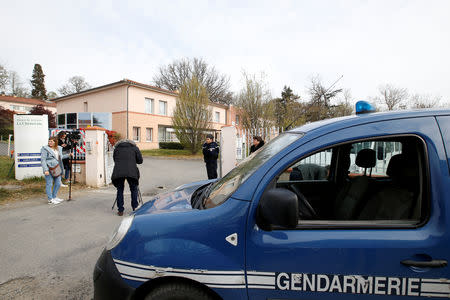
(405, 43)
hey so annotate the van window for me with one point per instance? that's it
(378, 182)
(224, 187)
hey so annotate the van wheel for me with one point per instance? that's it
(178, 291)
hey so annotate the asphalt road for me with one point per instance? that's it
(49, 252)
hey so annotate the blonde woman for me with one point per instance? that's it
(52, 165)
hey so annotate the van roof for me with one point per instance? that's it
(353, 120)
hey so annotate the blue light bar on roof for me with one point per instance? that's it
(364, 107)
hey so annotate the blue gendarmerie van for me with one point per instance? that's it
(347, 208)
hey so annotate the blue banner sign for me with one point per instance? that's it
(28, 154)
(28, 159)
(28, 165)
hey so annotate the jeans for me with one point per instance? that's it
(119, 184)
(50, 182)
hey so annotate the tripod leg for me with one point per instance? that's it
(70, 178)
(10, 169)
(115, 201)
(140, 196)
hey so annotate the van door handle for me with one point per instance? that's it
(438, 263)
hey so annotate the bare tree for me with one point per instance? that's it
(253, 103)
(75, 84)
(4, 79)
(424, 101)
(174, 75)
(393, 97)
(16, 85)
(192, 116)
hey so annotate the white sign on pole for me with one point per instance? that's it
(30, 134)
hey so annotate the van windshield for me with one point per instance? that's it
(224, 187)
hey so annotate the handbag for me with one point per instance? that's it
(55, 171)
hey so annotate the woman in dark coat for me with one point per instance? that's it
(126, 156)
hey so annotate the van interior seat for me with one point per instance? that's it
(397, 200)
(350, 198)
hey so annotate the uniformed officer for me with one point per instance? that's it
(210, 155)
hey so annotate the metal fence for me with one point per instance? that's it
(244, 139)
(6, 142)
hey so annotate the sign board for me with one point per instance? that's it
(30, 134)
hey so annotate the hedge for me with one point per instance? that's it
(170, 145)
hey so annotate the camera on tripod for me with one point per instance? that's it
(72, 138)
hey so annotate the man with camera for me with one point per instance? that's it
(62, 141)
(126, 156)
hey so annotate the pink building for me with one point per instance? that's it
(135, 110)
(23, 105)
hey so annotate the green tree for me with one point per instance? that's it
(192, 116)
(52, 94)
(37, 81)
(253, 102)
(319, 105)
(286, 108)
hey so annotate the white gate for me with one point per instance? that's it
(108, 151)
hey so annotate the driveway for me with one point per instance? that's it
(49, 252)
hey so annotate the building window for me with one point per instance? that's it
(149, 106)
(136, 134)
(237, 120)
(149, 134)
(217, 117)
(163, 108)
(61, 120)
(84, 120)
(85, 105)
(71, 120)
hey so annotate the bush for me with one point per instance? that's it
(170, 145)
(113, 136)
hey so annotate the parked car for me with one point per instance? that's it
(382, 231)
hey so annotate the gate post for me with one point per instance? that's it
(227, 149)
(95, 161)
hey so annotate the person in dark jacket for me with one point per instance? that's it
(66, 150)
(126, 155)
(210, 155)
(258, 142)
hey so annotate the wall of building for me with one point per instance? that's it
(22, 108)
(222, 117)
(138, 96)
(108, 100)
(144, 121)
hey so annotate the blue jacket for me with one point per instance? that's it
(48, 158)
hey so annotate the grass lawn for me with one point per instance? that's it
(5, 166)
(172, 153)
(21, 189)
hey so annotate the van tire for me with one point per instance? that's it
(178, 291)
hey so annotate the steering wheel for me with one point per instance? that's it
(304, 201)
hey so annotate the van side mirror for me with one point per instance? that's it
(277, 207)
